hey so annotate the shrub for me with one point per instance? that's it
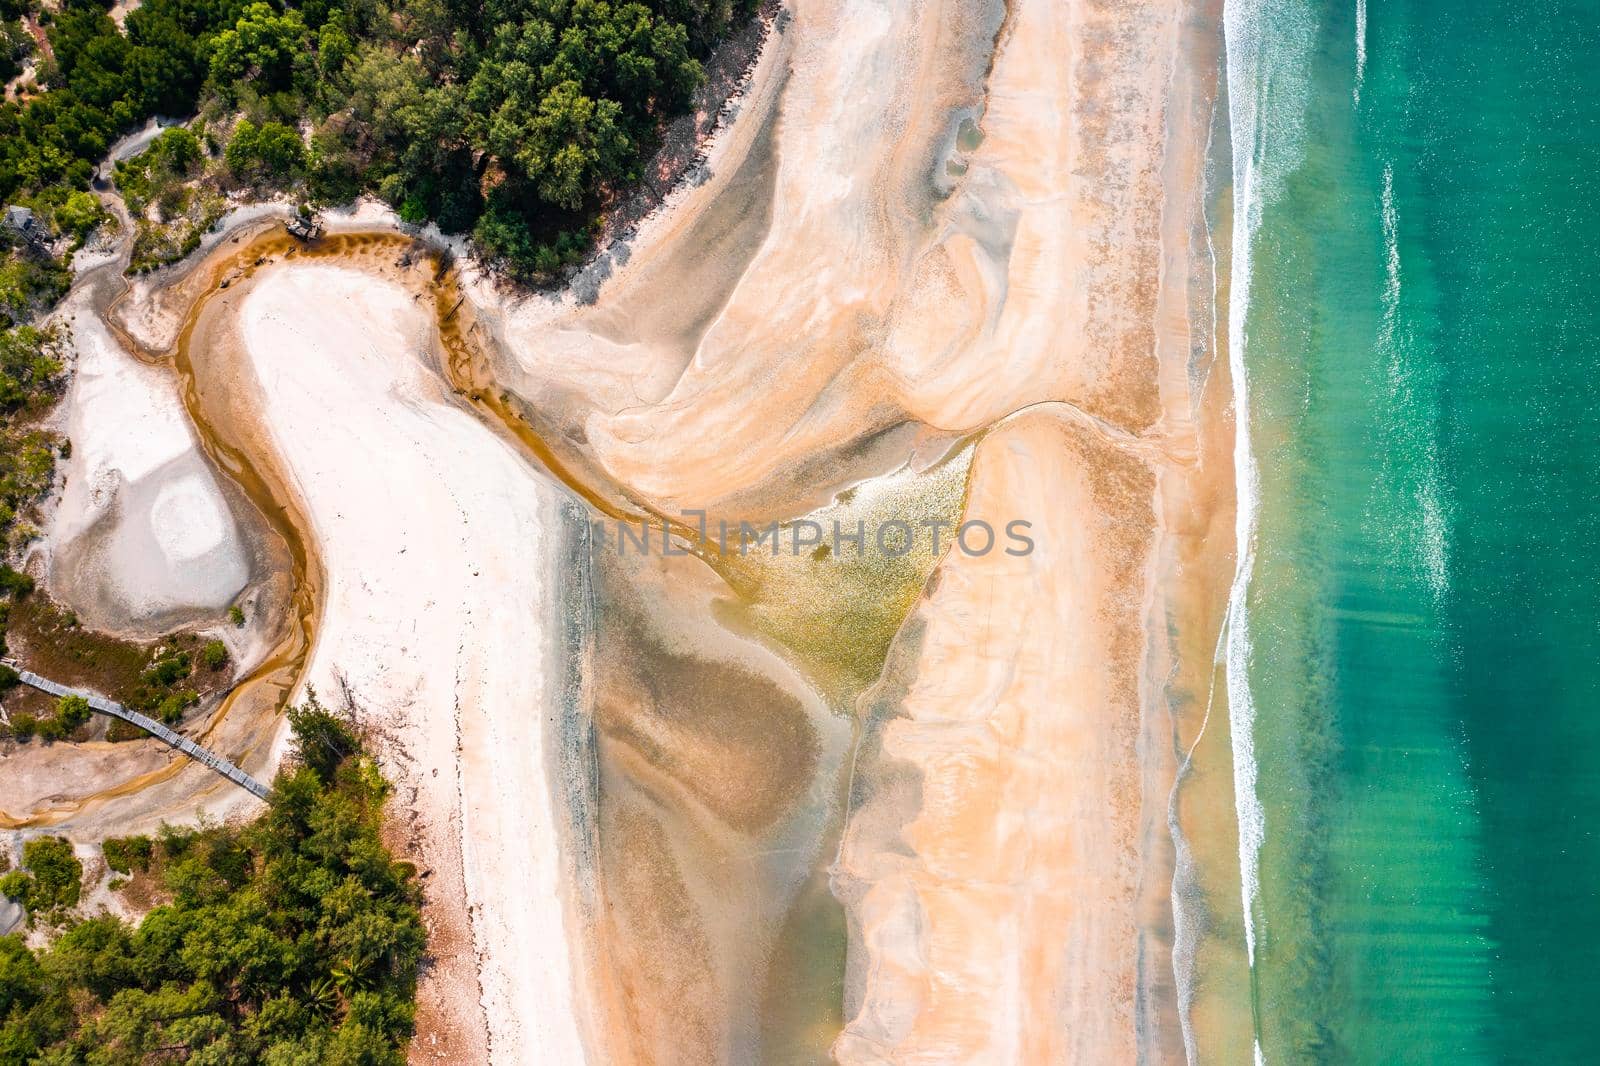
(27, 281)
(57, 873)
(17, 886)
(271, 150)
(167, 668)
(30, 365)
(71, 712)
(54, 880)
(323, 739)
(214, 654)
(79, 214)
(171, 709)
(236, 615)
(126, 854)
(23, 725)
(177, 149)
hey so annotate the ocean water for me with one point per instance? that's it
(1414, 645)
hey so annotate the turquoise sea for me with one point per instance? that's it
(1414, 651)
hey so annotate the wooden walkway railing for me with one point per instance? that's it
(176, 740)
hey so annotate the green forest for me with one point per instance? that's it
(292, 940)
(516, 120)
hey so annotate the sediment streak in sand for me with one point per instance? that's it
(440, 611)
(879, 280)
(1007, 830)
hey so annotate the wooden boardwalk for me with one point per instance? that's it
(173, 739)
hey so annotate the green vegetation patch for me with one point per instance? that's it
(49, 883)
(158, 692)
(294, 939)
(519, 121)
(31, 362)
(162, 680)
(127, 855)
(16, 43)
(29, 281)
(167, 191)
(214, 655)
(71, 714)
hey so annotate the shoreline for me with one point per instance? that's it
(1185, 676)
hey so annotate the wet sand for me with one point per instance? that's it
(898, 815)
(1022, 241)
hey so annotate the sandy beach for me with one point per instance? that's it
(692, 810)
(441, 616)
(1004, 252)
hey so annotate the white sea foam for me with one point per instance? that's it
(1361, 47)
(1268, 51)
(1391, 259)
(1241, 43)
(1425, 539)
(1435, 535)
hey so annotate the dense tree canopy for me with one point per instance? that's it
(261, 47)
(295, 939)
(516, 119)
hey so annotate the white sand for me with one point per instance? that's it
(441, 612)
(143, 532)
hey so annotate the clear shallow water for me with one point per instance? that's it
(1417, 260)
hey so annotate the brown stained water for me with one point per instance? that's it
(831, 618)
